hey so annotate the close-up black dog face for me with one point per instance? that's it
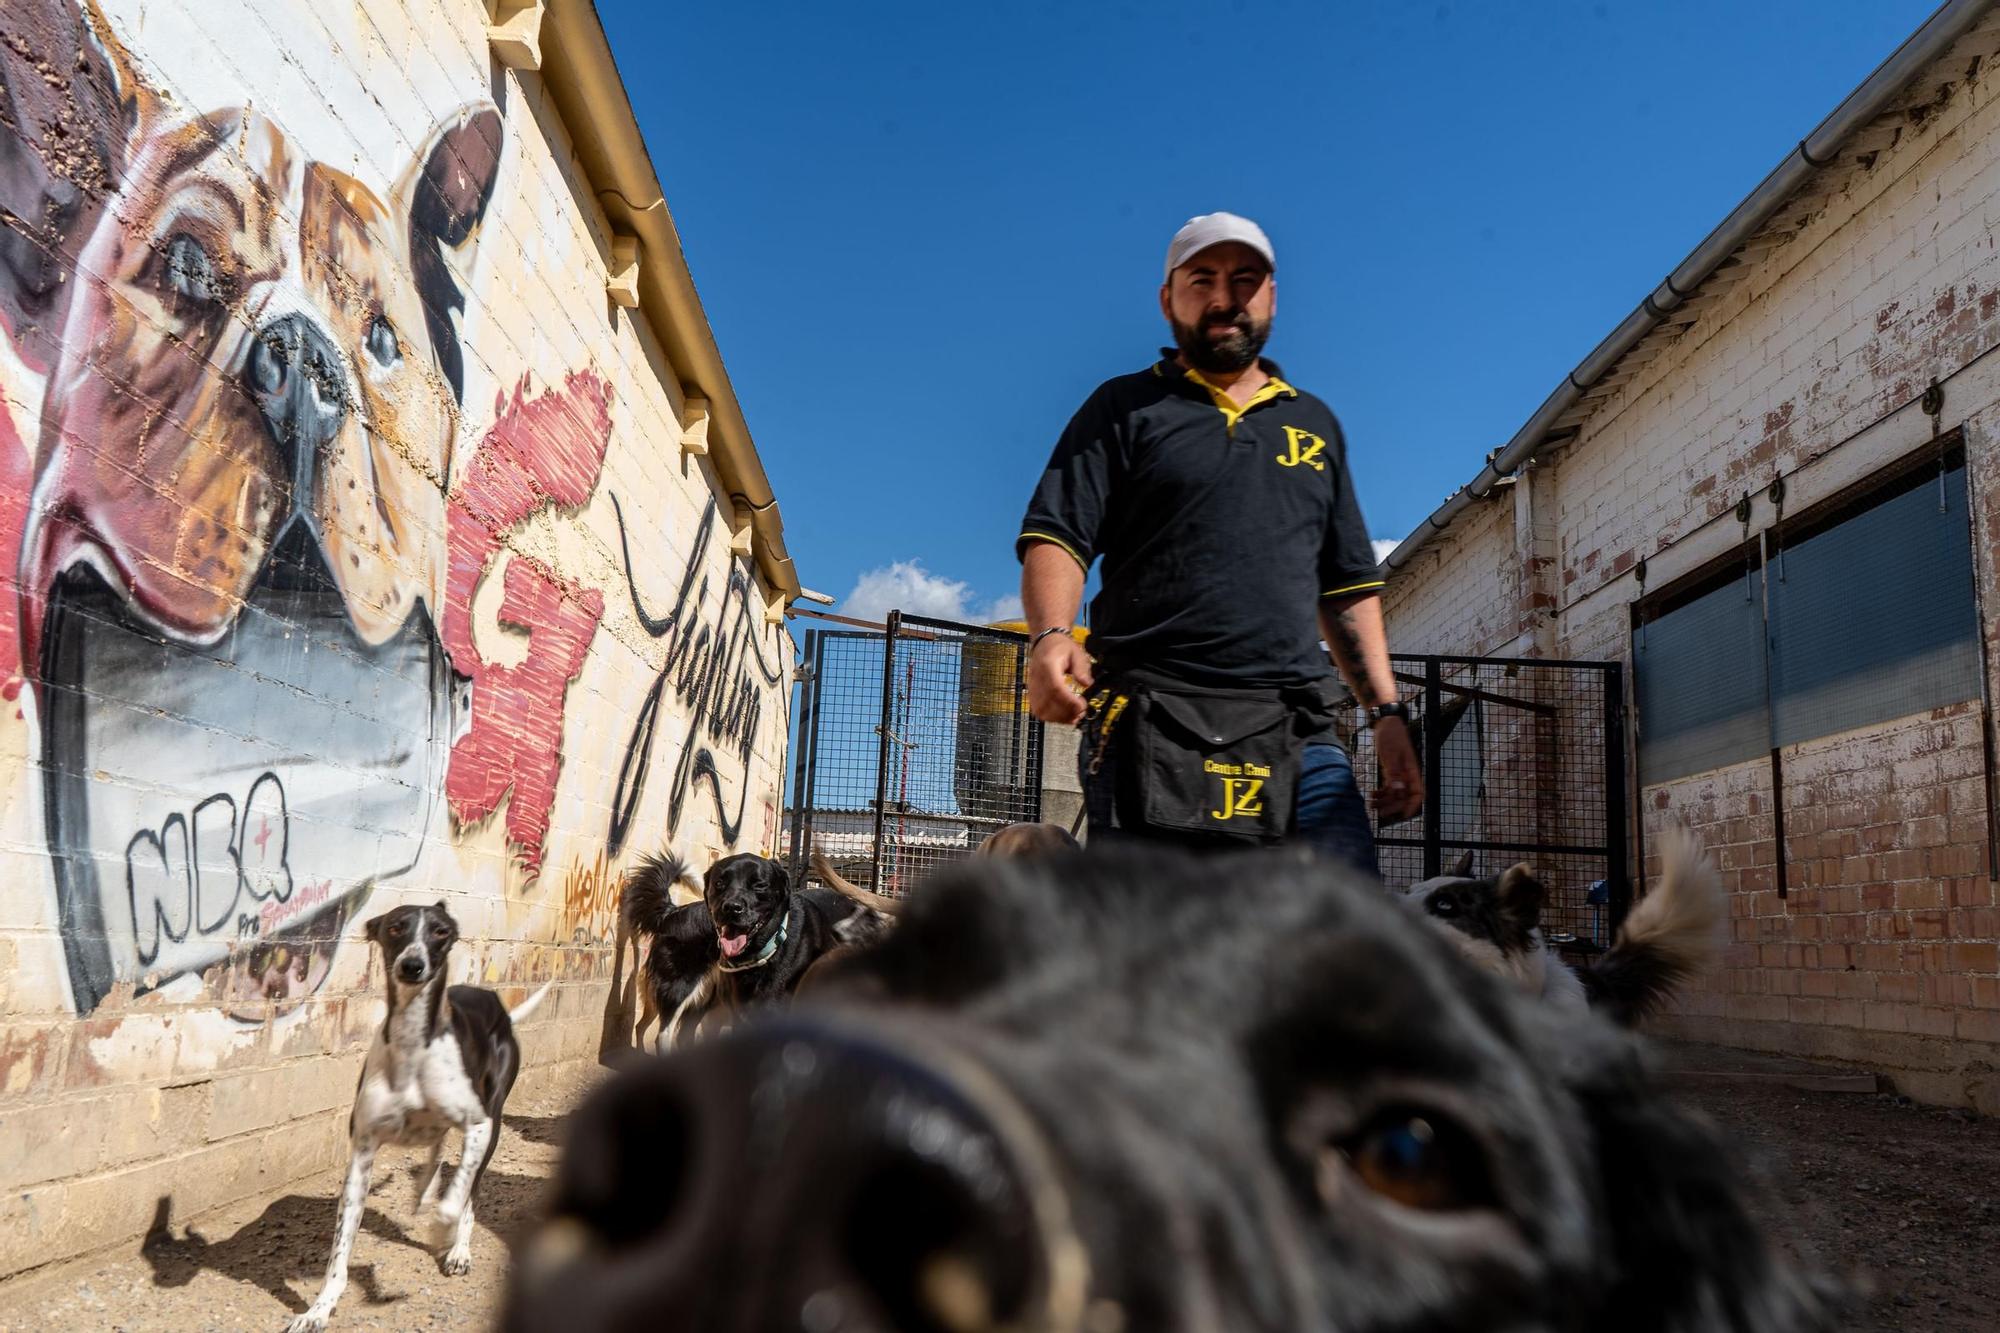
(414, 941)
(1138, 1091)
(747, 898)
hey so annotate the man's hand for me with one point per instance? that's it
(1402, 791)
(1057, 660)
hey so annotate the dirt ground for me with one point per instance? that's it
(1903, 1199)
(255, 1265)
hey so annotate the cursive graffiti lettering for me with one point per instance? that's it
(718, 672)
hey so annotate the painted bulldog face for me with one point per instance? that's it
(236, 553)
(259, 351)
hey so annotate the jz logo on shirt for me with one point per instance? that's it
(1305, 449)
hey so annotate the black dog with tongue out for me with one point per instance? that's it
(766, 936)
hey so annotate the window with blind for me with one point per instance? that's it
(1859, 612)
(1698, 664)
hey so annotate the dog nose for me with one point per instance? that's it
(793, 1172)
(299, 384)
(410, 969)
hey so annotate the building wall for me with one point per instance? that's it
(350, 558)
(1884, 950)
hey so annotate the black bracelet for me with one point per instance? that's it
(1036, 642)
(1397, 709)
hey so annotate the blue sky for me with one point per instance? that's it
(924, 232)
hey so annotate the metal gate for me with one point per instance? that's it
(914, 746)
(1524, 760)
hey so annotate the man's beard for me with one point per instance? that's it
(1212, 350)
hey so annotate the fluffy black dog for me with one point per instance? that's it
(747, 943)
(1131, 1090)
(683, 937)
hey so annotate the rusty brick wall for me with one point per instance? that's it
(348, 557)
(1884, 949)
(1472, 610)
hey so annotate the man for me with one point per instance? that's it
(1218, 497)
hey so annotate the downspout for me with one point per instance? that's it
(1818, 149)
(581, 78)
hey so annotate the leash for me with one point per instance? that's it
(764, 955)
(1100, 720)
(1097, 722)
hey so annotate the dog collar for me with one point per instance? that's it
(765, 954)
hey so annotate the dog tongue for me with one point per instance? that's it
(731, 944)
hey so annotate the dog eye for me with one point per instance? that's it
(397, 928)
(381, 341)
(190, 271)
(1418, 1160)
(1443, 904)
(439, 932)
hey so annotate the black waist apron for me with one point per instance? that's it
(1197, 760)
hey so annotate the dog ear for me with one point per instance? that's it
(141, 105)
(446, 197)
(1519, 895)
(780, 875)
(1462, 867)
(1687, 1255)
(373, 930)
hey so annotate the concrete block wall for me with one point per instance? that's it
(348, 557)
(1882, 951)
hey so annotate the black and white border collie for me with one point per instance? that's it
(1669, 935)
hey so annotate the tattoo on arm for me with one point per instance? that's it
(1346, 646)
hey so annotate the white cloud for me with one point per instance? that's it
(907, 586)
(1384, 545)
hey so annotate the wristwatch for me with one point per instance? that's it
(1398, 709)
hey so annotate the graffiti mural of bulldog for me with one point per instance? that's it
(236, 549)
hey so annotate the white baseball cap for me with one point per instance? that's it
(1213, 229)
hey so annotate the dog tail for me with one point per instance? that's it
(649, 891)
(882, 903)
(1669, 936)
(532, 1003)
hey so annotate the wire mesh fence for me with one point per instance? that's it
(915, 746)
(1523, 761)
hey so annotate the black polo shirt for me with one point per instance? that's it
(1220, 529)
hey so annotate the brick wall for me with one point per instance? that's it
(1473, 610)
(348, 557)
(1884, 948)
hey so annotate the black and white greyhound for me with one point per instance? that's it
(445, 1059)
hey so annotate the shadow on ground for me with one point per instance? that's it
(544, 1129)
(283, 1251)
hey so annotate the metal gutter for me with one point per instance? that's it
(1818, 149)
(581, 79)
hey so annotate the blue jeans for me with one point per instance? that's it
(1332, 819)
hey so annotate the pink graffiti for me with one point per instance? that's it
(542, 451)
(15, 479)
(307, 896)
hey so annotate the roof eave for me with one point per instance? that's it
(582, 80)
